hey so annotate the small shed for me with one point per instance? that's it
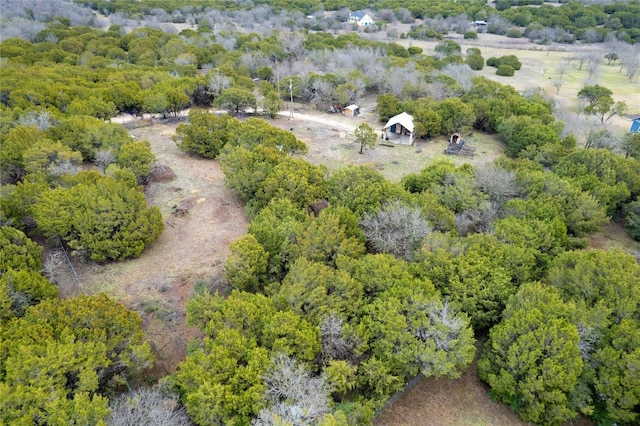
(351, 110)
(635, 125)
(399, 129)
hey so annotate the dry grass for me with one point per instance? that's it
(330, 145)
(540, 66)
(614, 236)
(445, 402)
(202, 218)
(461, 402)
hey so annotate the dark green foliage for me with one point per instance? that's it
(359, 188)
(510, 60)
(475, 62)
(410, 331)
(275, 228)
(298, 180)
(137, 158)
(631, 145)
(21, 289)
(605, 287)
(236, 100)
(448, 48)
(505, 70)
(522, 132)
(477, 273)
(254, 131)
(14, 144)
(206, 134)
(531, 360)
(456, 115)
(325, 239)
(514, 33)
(222, 380)
(247, 264)
(245, 169)
(107, 220)
(314, 290)
(597, 279)
(632, 217)
(58, 360)
(18, 252)
(388, 106)
(608, 177)
(365, 136)
(470, 35)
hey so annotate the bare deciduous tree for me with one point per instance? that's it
(557, 83)
(40, 119)
(499, 184)
(296, 396)
(459, 23)
(405, 16)
(461, 73)
(103, 158)
(147, 407)
(396, 229)
(217, 83)
(53, 265)
(292, 43)
(478, 220)
(334, 344)
(593, 65)
(322, 94)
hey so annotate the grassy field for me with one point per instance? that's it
(540, 68)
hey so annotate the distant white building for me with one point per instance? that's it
(362, 19)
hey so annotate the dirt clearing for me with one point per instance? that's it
(330, 140)
(202, 218)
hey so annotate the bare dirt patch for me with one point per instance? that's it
(330, 140)
(202, 218)
(614, 236)
(461, 402)
(444, 402)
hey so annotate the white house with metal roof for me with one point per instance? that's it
(362, 19)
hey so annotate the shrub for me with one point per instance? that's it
(510, 60)
(514, 33)
(470, 35)
(475, 62)
(493, 62)
(505, 70)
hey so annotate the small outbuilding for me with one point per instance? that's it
(351, 110)
(635, 125)
(399, 129)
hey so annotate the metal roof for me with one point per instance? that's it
(404, 119)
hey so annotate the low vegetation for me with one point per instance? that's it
(347, 285)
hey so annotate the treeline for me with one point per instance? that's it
(348, 285)
(590, 22)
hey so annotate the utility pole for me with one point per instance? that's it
(277, 77)
(291, 104)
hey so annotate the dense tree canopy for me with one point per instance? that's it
(346, 281)
(60, 359)
(106, 219)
